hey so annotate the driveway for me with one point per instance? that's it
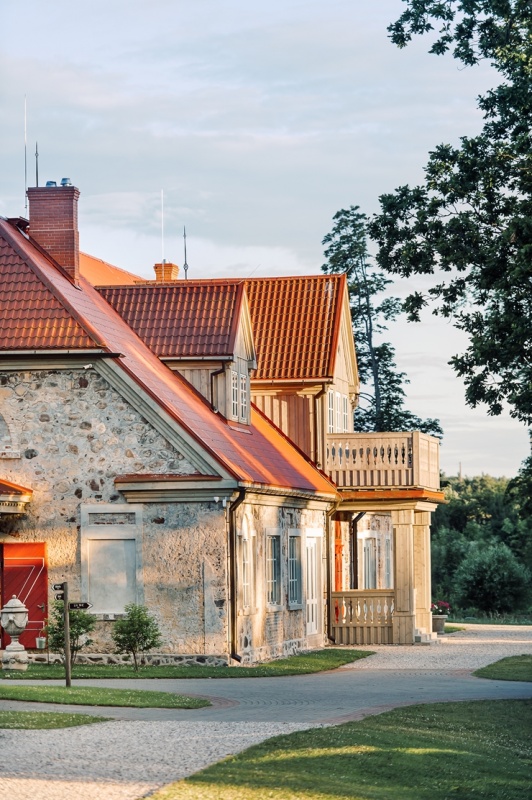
(142, 749)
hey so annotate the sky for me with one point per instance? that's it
(251, 125)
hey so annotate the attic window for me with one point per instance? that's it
(240, 395)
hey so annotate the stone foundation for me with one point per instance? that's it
(151, 659)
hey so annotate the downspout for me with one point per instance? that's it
(214, 375)
(328, 518)
(232, 576)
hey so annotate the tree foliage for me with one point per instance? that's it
(382, 402)
(81, 623)
(137, 632)
(470, 221)
(481, 513)
(492, 580)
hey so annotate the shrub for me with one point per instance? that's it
(492, 580)
(137, 632)
(81, 624)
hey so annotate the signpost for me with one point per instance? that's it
(66, 625)
(62, 594)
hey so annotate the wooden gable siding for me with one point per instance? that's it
(293, 413)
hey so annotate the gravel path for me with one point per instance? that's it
(128, 760)
(475, 647)
(118, 760)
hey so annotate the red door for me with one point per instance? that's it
(24, 574)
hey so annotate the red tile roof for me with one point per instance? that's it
(188, 318)
(30, 315)
(295, 320)
(296, 325)
(255, 455)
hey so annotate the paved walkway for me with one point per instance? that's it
(143, 749)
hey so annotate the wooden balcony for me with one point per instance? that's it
(383, 460)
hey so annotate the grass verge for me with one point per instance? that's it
(512, 668)
(452, 629)
(43, 720)
(96, 696)
(431, 752)
(305, 663)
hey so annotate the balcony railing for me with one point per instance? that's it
(363, 616)
(383, 460)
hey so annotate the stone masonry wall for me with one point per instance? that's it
(262, 633)
(75, 434)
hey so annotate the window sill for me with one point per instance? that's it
(295, 606)
(270, 609)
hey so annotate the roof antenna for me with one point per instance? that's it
(25, 160)
(185, 265)
(36, 163)
(162, 227)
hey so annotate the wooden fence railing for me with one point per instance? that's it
(362, 616)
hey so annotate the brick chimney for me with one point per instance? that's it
(54, 223)
(166, 272)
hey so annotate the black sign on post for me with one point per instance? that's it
(74, 606)
(58, 587)
(60, 596)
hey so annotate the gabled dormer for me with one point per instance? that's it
(200, 329)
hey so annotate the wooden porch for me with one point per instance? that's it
(362, 616)
(383, 460)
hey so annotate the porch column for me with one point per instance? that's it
(404, 617)
(422, 577)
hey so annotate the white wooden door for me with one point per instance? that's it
(311, 585)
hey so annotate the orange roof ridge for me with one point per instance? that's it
(97, 271)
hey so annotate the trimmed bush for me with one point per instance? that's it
(81, 624)
(136, 633)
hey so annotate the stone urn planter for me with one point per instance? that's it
(14, 618)
(438, 623)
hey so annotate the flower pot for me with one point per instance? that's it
(438, 623)
(40, 642)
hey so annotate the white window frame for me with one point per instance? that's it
(234, 394)
(370, 563)
(330, 419)
(244, 390)
(338, 405)
(345, 412)
(273, 569)
(388, 563)
(295, 569)
(247, 566)
(110, 532)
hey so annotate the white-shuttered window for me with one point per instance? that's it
(330, 422)
(273, 567)
(234, 394)
(295, 585)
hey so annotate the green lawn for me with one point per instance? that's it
(316, 661)
(44, 720)
(95, 696)
(431, 752)
(512, 668)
